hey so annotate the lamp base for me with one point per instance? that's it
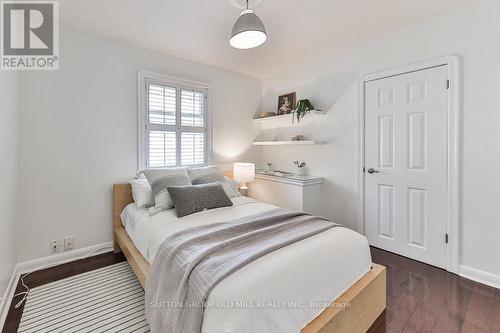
(244, 189)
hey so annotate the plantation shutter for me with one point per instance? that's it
(176, 126)
(193, 120)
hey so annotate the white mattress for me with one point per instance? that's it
(281, 291)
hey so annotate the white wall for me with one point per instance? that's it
(331, 85)
(78, 134)
(77, 127)
(8, 170)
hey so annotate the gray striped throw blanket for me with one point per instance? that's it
(190, 263)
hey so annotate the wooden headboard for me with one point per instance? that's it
(122, 196)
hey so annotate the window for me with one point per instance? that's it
(174, 122)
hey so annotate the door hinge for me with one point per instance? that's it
(364, 170)
(446, 238)
(448, 83)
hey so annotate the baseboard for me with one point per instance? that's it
(479, 276)
(8, 295)
(46, 262)
(61, 258)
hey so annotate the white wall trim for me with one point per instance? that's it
(142, 77)
(61, 258)
(453, 158)
(479, 276)
(46, 262)
(360, 209)
(7, 296)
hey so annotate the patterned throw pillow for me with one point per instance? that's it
(160, 179)
(205, 175)
(210, 175)
(196, 198)
(233, 184)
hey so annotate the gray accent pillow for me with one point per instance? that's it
(160, 180)
(211, 174)
(205, 175)
(196, 198)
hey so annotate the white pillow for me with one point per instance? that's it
(142, 193)
(230, 192)
(160, 180)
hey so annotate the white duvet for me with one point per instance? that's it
(281, 291)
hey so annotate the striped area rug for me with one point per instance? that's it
(108, 299)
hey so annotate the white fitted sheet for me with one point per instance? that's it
(317, 269)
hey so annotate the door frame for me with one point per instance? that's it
(453, 215)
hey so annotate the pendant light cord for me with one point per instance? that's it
(247, 4)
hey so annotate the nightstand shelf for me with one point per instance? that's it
(303, 193)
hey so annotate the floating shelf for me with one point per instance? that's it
(291, 179)
(286, 143)
(286, 116)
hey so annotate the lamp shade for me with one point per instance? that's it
(248, 31)
(244, 172)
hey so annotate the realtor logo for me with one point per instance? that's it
(30, 35)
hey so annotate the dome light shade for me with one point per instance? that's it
(248, 31)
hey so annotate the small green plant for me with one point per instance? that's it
(301, 170)
(303, 108)
(299, 164)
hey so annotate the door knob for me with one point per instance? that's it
(372, 170)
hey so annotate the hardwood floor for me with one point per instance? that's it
(420, 298)
(423, 298)
(52, 274)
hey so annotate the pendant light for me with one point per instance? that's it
(248, 31)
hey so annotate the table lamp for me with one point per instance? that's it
(244, 173)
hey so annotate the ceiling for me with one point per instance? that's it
(299, 30)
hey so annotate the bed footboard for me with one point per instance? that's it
(365, 301)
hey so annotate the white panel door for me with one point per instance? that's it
(406, 126)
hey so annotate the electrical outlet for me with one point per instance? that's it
(55, 246)
(69, 243)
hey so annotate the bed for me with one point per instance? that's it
(357, 291)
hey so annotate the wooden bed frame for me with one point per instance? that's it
(367, 297)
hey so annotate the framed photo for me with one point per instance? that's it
(286, 103)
